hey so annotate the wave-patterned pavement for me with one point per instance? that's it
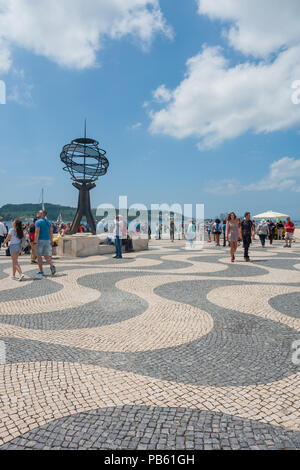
(165, 349)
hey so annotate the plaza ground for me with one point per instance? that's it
(165, 349)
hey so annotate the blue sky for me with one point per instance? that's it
(220, 130)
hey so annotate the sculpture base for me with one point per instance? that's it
(83, 245)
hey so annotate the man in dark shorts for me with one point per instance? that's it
(246, 234)
(43, 238)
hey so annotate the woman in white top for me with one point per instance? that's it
(15, 237)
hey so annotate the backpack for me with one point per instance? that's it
(217, 228)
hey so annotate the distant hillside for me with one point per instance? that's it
(28, 211)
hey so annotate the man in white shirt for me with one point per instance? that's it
(119, 234)
(3, 232)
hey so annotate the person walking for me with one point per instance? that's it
(224, 232)
(209, 229)
(118, 235)
(253, 230)
(263, 232)
(217, 230)
(3, 232)
(232, 234)
(280, 228)
(15, 237)
(32, 244)
(246, 234)
(289, 232)
(172, 230)
(43, 239)
(191, 233)
(272, 228)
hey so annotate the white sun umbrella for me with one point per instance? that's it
(271, 215)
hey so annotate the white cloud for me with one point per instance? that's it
(41, 181)
(284, 175)
(162, 94)
(70, 32)
(224, 186)
(5, 57)
(216, 102)
(20, 94)
(258, 27)
(136, 126)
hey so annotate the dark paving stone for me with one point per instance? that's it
(288, 304)
(132, 427)
(113, 306)
(28, 290)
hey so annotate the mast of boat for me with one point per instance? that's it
(43, 204)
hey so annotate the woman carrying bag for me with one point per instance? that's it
(15, 237)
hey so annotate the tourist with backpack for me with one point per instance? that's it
(217, 230)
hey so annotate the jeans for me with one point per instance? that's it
(263, 239)
(118, 247)
(246, 244)
(1, 240)
(224, 239)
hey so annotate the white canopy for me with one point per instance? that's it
(271, 215)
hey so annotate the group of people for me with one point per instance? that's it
(236, 230)
(41, 236)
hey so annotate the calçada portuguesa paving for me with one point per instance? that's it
(165, 349)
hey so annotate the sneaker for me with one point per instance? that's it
(21, 277)
(40, 273)
(14, 278)
(52, 269)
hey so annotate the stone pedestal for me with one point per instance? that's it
(84, 245)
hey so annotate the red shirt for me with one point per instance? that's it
(290, 227)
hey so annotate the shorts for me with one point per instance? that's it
(289, 236)
(44, 248)
(15, 248)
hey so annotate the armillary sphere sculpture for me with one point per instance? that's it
(85, 162)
